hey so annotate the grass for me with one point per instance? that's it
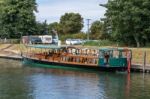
(99, 43)
(138, 55)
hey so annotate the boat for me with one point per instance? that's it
(70, 56)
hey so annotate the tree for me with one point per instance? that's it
(41, 28)
(54, 26)
(1, 9)
(97, 30)
(71, 23)
(18, 17)
(129, 20)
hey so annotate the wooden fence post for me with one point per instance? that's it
(144, 61)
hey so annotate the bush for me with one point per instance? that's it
(10, 41)
(15, 41)
(73, 36)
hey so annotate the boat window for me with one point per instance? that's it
(111, 53)
(69, 50)
(77, 52)
(73, 51)
(116, 54)
(81, 52)
(85, 51)
(106, 57)
(101, 54)
(94, 53)
(124, 54)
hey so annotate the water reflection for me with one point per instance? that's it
(64, 84)
(43, 83)
(13, 84)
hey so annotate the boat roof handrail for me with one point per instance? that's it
(44, 46)
(112, 49)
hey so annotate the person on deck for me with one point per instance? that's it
(106, 55)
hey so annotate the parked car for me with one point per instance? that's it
(55, 39)
(74, 41)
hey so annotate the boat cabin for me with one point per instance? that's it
(113, 57)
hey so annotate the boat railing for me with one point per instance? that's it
(65, 58)
(80, 59)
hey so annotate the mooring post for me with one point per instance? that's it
(129, 61)
(144, 61)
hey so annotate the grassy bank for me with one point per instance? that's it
(138, 55)
(100, 43)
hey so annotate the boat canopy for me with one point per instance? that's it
(112, 49)
(45, 46)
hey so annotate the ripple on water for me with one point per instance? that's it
(42, 83)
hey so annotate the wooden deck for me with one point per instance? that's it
(140, 67)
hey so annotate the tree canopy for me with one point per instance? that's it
(54, 26)
(41, 28)
(17, 17)
(1, 9)
(71, 23)
(129, 21)
(97, 30)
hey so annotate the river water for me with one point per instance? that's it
(20, 82)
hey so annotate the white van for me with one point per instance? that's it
(46, 39)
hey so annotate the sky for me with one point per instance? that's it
(52, 10)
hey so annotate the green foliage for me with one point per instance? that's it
(18, 17)
(1, 9)
(15, 41)
(41, 28)
(71, 23)
(97, 31)
(129, 21)
(73, 36)
(54, 26)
